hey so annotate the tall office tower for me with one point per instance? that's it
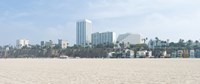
(83, 32)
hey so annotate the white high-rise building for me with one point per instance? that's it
(130, 38)
(83, 32)
(105, 37)
(62, 43)
(21, 43)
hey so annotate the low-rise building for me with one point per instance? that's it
(130, 38)
(149, 54)
(174, 54)
(122, 54)
(192, 54)
(110, 54)
(129, 53)
(42, 43)
(22, 43)
(62, 43)
(180, 53)
(157, 43)
(164, 54)
(141, 54)
(197, 53)
(50, 43)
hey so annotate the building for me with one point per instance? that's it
(62, 43)
(83, 32)
(149, 54)
(180, 53)
(130, 38)
(22, 43)
(174, 54)
(42, 43)
(164, 54)
(129, 53)
(197, 53)
(50, 44)
(157, 43)
(186, 53)
(110, 54)
(141, 54)
(192, 54)
(105, 37)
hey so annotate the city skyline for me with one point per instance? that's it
(51, 20)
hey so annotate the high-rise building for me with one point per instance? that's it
(130, 38)
(83, 32)
(62, 43)
(21, 43)
(105, 37)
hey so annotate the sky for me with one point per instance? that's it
(43, 20)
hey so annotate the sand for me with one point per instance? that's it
(99, 71)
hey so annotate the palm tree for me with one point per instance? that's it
(168, 42)
(196, 42)
(116, 44)
(189, 43)
(122, 45)
(181, 43)
(90, 44)
(157, 39)
(145, 39)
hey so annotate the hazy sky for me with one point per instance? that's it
(39, 20)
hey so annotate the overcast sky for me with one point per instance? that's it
(39, 20)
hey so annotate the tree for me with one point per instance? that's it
(181, 43)
(168, 42)
(196, 42)
(145, 39)
(157, 40)
(189, 43)
(122, 45)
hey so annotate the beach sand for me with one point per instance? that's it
(99, 71)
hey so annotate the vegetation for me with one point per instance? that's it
(98, 51)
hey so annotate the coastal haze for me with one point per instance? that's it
(39, 20)
(99, 71)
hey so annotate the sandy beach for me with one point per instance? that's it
(99, 71)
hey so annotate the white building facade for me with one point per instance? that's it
(62, 43)
(83, 32)
(192, 53)
(21, 43)
(157, 43)
(105, 37)
(130, 38)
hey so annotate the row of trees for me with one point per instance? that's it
(93, 51)
(37, 51)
